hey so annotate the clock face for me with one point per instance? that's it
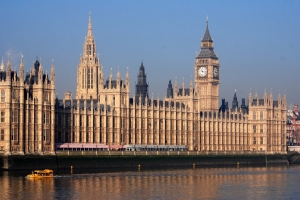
(202, 71)
(216, 72)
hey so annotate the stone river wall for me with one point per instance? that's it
(142, 160)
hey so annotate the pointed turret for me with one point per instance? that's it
(235, 103)
(21, 71)
(8, 69)
(250, 98)
(271, 98)
(170, 90)
(176, 87)
(8, 64)
(52, 73)
(2, 66)
(118, 77)
(141, 88)
(183, 88)
(89, 34)
(89, 45)
(279, 100)
(40, 73)
(127, 81)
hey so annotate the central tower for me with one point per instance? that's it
(89, 72)
(207, 74)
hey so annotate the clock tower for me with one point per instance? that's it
(207, 76)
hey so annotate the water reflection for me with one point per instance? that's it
(209, 183)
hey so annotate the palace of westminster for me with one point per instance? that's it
(34, 120)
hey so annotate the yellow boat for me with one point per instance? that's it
(46, 173)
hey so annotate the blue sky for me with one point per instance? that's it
(257, 42)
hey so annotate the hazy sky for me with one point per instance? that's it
(257, 42)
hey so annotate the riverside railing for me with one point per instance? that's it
(165, 153)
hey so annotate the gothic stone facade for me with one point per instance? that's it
(103, 112)
(27, 108)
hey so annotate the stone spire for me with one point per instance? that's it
(118, 78)
(52, 73)
(90, 26)
(2, 66)
(127, 81)
(89, 45)
(250, 98)
(176, 87)
(40, 73)
(8, 69)
(22, 71)
(8, 64)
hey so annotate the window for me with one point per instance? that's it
(14, 134)
(261, 115)
(2, 134)
(261, 140)
(59, 120)
(89, 49)
(46, 97)
(254, 140)
(14, 116)
(92, 81)
(2, 96)
(46, 135)
(261, 128)
(254, 115)
(83, 78)
(88, 78)
(31, 117)
(81, 118)
(2, 116)
(46, 117)
(254, 128)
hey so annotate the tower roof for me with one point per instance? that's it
(142, 70)
(207, 37)
(207, 50)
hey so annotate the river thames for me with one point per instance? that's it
(203, 183)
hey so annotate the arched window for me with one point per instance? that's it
(2, 96)
(46, 117)
(89, 49)
(14, 116)
(261, 115)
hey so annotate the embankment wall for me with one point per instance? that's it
(121, 161)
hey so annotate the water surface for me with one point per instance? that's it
(203, 183)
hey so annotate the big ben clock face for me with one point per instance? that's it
(216, 72)
(202, 71)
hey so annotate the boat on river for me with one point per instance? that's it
(46, 173)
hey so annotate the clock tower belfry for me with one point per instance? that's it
(207, 75)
